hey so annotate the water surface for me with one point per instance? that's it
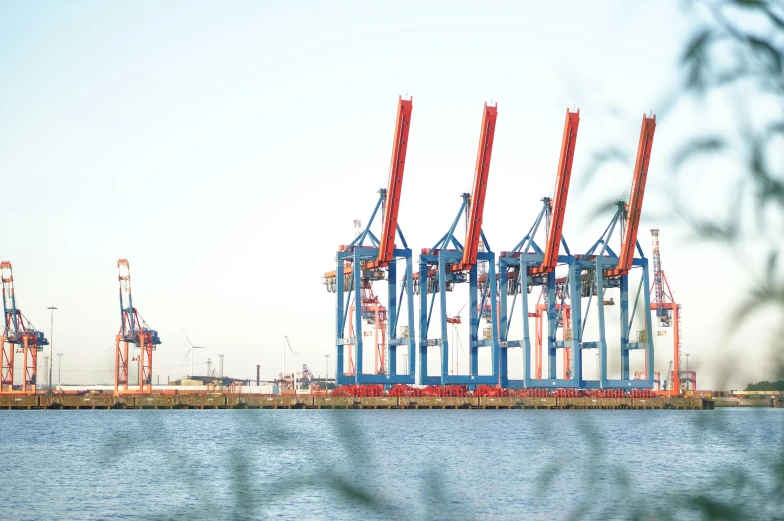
(399, 464)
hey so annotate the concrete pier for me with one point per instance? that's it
(250, 401)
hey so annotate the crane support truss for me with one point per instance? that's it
(528, 265)
(448, 263)
(367, 259)
(133, 330)
(600, 269)
(20, 336)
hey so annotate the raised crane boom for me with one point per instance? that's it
(634, 208)
(396, 167)
(481, 173)
(558, 208)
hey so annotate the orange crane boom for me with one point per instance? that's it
(634, 208)
(395, 186)
(481, 173)
(563, 176)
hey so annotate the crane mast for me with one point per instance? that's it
(394, 186)
(558, 204)
(634, 208)
(477, 204)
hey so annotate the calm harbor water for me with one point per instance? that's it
(299, 465)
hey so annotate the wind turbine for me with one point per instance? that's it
(190, 351)
(295, 353)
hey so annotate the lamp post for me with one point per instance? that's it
(59, 367)
(51, 342)
(46, 366)
(326, 379)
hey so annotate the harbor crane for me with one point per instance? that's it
(133, 330)
(528, 265)
(668, 313)
(19, 336)
(601, 269)
(448, 263)
(369, 258)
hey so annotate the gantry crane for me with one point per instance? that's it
(19, 336)
(668, 313)
(528, 265)
(448, 262)
(367, 259)
(603, 269)
(133, 330)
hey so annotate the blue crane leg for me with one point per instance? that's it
(411, 332)
(473, 313)
(357, 316)
(499, 364)
(526, 324)
(577, 333)
(503, 329)
(444, 328)
(599, 278)
(648, 327)
(391, 314)
(422, 321)
(552, 327)
(339, 291)
(624, 280)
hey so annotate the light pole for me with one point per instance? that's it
(687, 361)
(46, 367)
(326, 379)
(51, 342)
(59, 367)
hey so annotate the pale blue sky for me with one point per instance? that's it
(224, 149)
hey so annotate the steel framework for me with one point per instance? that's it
(601, 269)
(374, 314)
(19, 336)
(668, 312)
(133, 330)
(367, 259)
(528, 265)
(448, 263)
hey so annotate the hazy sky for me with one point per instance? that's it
(224, 149)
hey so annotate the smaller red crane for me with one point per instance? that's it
(133, 330)
(668, 312)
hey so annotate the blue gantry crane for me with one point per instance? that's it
(602, 269)
(448, 263)
(369, 258)
(528, 265)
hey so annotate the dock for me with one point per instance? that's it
(249, 401)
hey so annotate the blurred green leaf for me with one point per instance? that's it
(697, 146)
(767, 51)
